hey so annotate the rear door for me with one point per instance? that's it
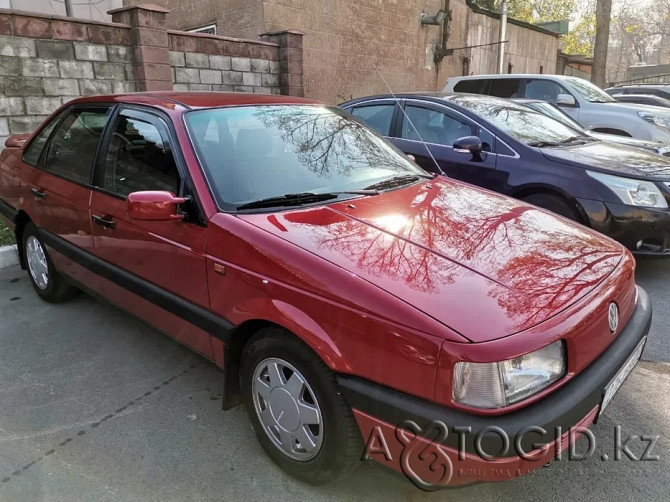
(426, 129)
(156, 269)
(58, 185)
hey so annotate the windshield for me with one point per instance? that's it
(588, 91)
(519, 122)
(257, 152)
(551, 111)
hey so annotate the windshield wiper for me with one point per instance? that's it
(404, 179)
(295, 199)
(572, 139)
(541, 144)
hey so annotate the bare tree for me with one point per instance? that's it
(603, 18)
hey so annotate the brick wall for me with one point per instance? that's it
(46, 61)
(203, 62)
(347, 44)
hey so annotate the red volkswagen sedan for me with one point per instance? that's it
(358, 306)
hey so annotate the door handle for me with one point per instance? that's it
(107, 223)
(39, 194)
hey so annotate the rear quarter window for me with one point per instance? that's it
(471, 86)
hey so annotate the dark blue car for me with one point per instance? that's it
(494, 143)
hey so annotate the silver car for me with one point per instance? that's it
(553, 111)
(589, 105)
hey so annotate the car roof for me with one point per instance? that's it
(639, 85)
(513, 75)
(439, 97)
(641, 95)
(193, 100)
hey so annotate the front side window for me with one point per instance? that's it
(378, 117)
(432, 126)
(31, 155)
(139, 159)
(546, 90)
(250, 153)
(73, 145)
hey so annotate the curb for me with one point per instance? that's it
(9, 256)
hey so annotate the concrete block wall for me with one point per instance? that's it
(202, 62)
(46, 61)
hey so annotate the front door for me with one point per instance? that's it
(156, 269)
(429, 131)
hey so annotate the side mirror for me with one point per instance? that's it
(565, 100)
(154, 205)
(470, 144)
(16, 140)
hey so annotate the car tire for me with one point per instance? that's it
(48, 283)
(298, 414)
(555, 204)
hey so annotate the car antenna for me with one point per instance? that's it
(408, 119)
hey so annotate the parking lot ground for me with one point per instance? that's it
(96, 405)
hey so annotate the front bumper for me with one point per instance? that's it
(574, 404)
(642, 230)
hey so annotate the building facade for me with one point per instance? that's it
(358, 47)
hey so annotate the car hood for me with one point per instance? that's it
(485, 265)
(612, 157)
(625, 140)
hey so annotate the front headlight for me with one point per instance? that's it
(633, 192)
(496, 385)
(657, 120)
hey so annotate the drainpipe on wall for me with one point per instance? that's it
(503, 34)
(68, 8)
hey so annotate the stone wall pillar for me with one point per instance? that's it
(290, 60)
(149, 39)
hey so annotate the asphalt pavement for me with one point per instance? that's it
(96, 405)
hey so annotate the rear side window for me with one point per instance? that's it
(31, 154)
(378, 117)
(505, 87)
(74, 143)
(471, 86)
(139, 158)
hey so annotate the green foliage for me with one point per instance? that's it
(581, 37)
(6, 235)
(540, 11)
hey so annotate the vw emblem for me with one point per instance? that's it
(613, 317)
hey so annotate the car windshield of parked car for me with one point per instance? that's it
(555, 113)
(252, 153)
(519, 122)
(589, 91)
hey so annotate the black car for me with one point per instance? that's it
(662, 90)
(643, 99)
(497, 144)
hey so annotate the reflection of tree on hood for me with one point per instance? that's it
(327, 142)
(539, 263)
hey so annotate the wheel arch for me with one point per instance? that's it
(296, 323)
(536, 189)
(611, 130)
